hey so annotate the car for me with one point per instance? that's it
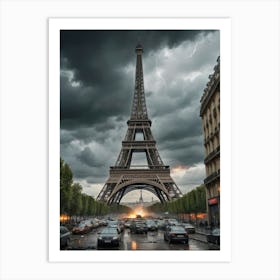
(161, 224)
(172, 222)
(109, 236)
(103, 222)
(94, 223)
(151, 225)
(83, 228)
(214, 236)
(138, 227)
(188, 227)
(64, 237)
(115, 224)
(176, 233)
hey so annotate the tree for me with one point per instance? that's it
(66, 180)
(192, 202)
(76, 200)
(84, 204)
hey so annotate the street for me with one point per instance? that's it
(153, 240)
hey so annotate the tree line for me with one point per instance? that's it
(193, 202)
(73, 202)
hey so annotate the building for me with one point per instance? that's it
(210, 114)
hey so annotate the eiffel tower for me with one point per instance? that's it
(124, 177)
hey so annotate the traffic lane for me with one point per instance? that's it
(153, 240)
(84, 241)
(89, 241)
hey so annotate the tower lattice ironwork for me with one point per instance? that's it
(124, 177)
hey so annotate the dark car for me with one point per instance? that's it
(138, 227)
(151, 225)
(214, 236)
(64, 237)
(109, 236)
(169, 223)
(161, 224)
(176, 233)
(188, 227)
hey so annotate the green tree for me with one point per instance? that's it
(84, 205)
(66, 180)
(76, 201)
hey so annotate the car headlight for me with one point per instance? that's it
(100, 238)
(115, 237)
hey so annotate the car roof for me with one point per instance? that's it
(109, 229)
(177, 228)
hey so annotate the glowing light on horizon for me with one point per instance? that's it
(64, 218)
(137, 211)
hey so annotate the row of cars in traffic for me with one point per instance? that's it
(88, 225)
(81, 228)
(173, 231)
(145, 225)
(109, 235)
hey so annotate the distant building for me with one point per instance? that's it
(210, 114)
(141, 201)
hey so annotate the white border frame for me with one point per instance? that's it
(55, 25)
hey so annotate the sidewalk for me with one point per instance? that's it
(200, 234)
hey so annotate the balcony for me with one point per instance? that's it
(214, 176)
(212, 155)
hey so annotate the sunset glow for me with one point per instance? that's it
(179, 170)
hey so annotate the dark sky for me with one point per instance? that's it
(97, 81)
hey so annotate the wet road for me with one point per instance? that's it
(151, 241)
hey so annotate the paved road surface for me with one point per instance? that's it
(150, 241)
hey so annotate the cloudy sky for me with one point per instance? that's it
(97, 81)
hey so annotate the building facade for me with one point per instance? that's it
(210, 114)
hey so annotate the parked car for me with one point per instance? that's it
(151, 225)
(176, 233)
(188, 227)
(64, 237)
(109, 236)
(214, 236)
(83, 228)
(138, 227)
(95, 223)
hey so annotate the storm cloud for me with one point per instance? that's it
(96, 89)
